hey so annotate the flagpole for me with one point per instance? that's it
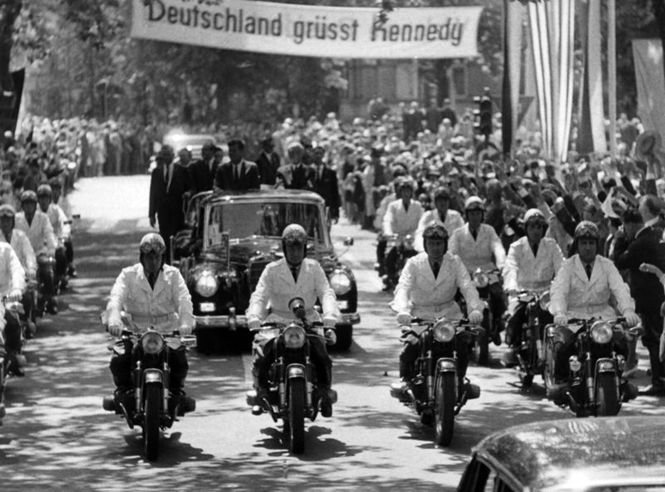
(612, 73)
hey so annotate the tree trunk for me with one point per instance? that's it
(8, 14)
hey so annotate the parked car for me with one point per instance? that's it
(603, 454)
(232, 237)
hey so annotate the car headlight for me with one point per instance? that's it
(601, 332)
(340, 283)
(152, 343)
(207, 284)
(443, 331)
(480, 279)
(294, 336)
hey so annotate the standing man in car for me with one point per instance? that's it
(202, 171)
(238, 174)
(324, 183)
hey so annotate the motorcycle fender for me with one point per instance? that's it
(605, 365)
(151, 376)
(446, 365)
(295, 371)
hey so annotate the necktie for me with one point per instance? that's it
(236, 172)
(534, 248)
(435, 268)
(166, 173)
(588, 269)
(294, 272)
(152, 278)
(474, 234)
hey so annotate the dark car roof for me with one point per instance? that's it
(268, 194)
(575, 454)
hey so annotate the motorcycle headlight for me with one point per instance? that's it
(601, 332)
(481, 279)
(207, 284)
(443, 331)
(294, 336)
(340, 283)
(152, 343)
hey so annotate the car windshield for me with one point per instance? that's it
(245, 219)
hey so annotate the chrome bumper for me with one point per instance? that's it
(221, 321)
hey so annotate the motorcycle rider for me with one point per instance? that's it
(153, 294)
(12, 284)
(56, 187)
(426, 289)
(60, 226)
(26, 255)
(531, 264)
(37, 227)
(442, 214)
(585, 287)
(282, 280)
(479, 247)
(402, 217)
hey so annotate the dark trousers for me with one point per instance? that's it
(381, 254)
(518, 318)
(46, 277)
(497, 304)
(318, 354)
(69, 251)
(409, 354)
(60, 262)
(392, 259)
(122, 365)
(653, 327)
(12, 334)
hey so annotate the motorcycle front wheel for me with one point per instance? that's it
(295, 429)
(444, 412)
(607, 395)
(153, 396)
(481, 348)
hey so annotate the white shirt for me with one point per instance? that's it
(23, 249)
(167, 307)
(524, 271)
(424, 296)
(453, 221)
(484, 252)
(400, 221)
(40, 232)
(276, 287)
(577, 296)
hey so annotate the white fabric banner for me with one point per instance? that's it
(648, 57)
(308, 30)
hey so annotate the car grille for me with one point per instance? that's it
(255, 268)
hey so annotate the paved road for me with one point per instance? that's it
(57, 436)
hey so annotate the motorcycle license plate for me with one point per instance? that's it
(343, 304)
(207, 307)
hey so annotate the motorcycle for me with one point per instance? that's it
(399, 249)
(594, 385)
(292, 394)
(435, 393)
(483, 279)
(530, 346)
(14, 308)
(154, 408)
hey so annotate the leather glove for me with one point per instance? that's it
(404, 318)
(185, 330)
(560, 319)
(632, 319)
(331, 337)
(411, 339)
(115, 330)
(253, 324)
(329, 322)
(475, 317)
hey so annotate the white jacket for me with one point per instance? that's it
(23, 249)
(453, 221)
(400, 221)
(58, 221)
(167, 307)
(420, 294)
(486, 252)
(576, 296)
(40, 232)
(276, 287)
(523, 271)
(12, 275)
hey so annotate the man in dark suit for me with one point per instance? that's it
(202, 171)
(268, 162)
(169, 186)
(324, 182)
(238, 174)
(641, 244)
(297, 175)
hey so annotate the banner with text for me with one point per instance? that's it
(308, 30)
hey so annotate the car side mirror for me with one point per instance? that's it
(348, 241)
